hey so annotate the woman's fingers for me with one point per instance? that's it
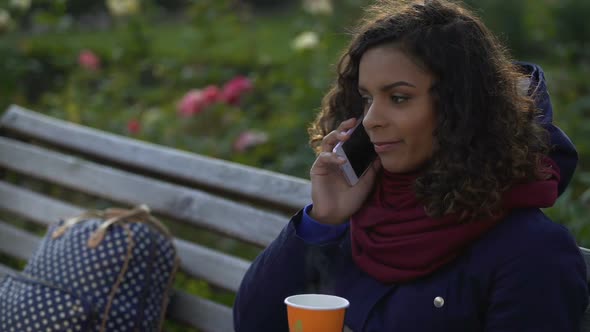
(346, 124)
(329, 158)
(335, 136)
(330, 140)
(326, 163)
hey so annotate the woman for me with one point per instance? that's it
(444, 231)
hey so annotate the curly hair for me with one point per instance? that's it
(486, 139)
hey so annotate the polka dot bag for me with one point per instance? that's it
(108, 270)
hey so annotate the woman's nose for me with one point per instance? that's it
(372, 116)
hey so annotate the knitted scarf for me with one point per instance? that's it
(395, 241)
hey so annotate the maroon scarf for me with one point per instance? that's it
(394, 241)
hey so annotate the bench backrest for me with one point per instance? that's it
(236, 201)
(40, 154)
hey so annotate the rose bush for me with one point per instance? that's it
(221, 69)
(88, 60)
(216, 77)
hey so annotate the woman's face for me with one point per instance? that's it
(399, 110)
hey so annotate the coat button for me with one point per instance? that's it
(439, 302)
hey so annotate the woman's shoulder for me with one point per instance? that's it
(525, 261)
(526, 232)
(532, 226)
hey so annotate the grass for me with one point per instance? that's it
(265, 38)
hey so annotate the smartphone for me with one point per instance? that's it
(358, 152)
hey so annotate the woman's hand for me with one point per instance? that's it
(334, 200)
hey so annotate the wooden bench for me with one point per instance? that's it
(235, 201)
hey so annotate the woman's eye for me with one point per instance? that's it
(399, 99)
(367, 101)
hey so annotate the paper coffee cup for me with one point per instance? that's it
(316, 312)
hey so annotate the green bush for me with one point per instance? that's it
(148, 61)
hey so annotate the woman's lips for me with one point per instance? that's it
(386, 146)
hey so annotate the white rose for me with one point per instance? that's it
(21, 4)
(306, 40)
(123, 7)
(4, 20)
(318, 7)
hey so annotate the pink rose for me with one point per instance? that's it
(195, 101)
(134, 126)
(192, 103)
(233, 90)
(88, 60)
(249, 139)
(211, 94)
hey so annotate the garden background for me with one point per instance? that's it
(242, 80)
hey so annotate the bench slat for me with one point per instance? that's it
(221, 215)
(278, 189)
(5, 270)
(195, 311)
(38, 208)
(204, 314)
(219, 269)
(17, 242)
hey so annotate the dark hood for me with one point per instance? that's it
(563, 151)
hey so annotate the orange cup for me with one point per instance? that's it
(316, 313)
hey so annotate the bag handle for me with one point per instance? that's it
(99, 234)
(144, 217)
(58, 232)
(140, 213)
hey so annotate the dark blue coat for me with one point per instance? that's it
(526, 274)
